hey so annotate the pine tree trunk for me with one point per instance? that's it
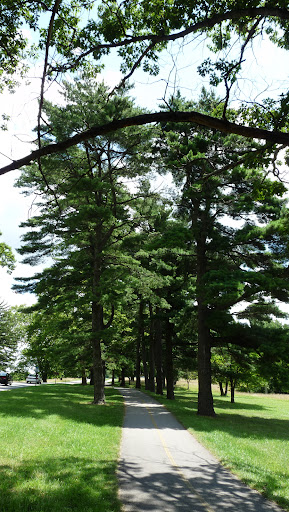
(98, 380)
(44, 376)
(83, 377)
(232, 383)
(144, 354)
(151, 353)
(221, 388)
(140, 335)
(158, 354)
(97, 326)
(169, 361)
(205, 396)
(122, 381)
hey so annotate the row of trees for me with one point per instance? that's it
(8, 339)
(146, 282)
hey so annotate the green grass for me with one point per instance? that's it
(58, 452)
(250, 437)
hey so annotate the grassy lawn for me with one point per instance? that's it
(58, 452)
(251, 437)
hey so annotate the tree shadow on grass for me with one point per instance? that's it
(59, 485)
(70, 402)
(222, 403)
(236, 424)
(273, 486)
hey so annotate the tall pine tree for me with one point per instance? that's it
(232, 207)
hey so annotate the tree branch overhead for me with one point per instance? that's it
(275, 137)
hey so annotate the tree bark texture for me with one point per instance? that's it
(122, 380)
(83, 377)
(144, 362)
(169, 360)
(97, 326)
(232, 383)
(140, 335)
(205, 396)
(158, 353)
(152, 352)
(99, 396)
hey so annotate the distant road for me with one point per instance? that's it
(14, 385)
(17, 385)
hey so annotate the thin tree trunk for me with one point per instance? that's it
(83, 376)
(144, 354)
(169, 361)
(144, 362)
(44, 376)
(151, 353)
(122, 382)
(158, 354)
(232, 383)
(139, 343)
(221, 388)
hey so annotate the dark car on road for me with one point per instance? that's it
(5, 378)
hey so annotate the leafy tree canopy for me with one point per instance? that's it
(7, 258)
(76, 34)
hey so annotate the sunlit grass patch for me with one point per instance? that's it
(58, 451)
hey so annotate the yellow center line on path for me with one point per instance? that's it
(175, 465)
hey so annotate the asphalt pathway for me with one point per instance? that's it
(164, 469)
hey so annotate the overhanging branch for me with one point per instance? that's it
(200, 26)
(221, 125)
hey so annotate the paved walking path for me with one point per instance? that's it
(164, 469)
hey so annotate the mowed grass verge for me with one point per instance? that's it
(250, 437)
(58, 452)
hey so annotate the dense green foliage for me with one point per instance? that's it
(12, 332)
(150, 284)
(232, 219)
(75, 35)
(235, 215)
(85, 211)
(7, 258)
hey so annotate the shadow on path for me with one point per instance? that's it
(164, 469)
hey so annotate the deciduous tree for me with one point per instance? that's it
(75, 34)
